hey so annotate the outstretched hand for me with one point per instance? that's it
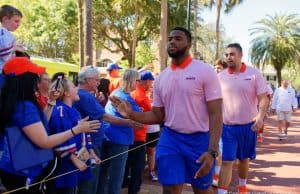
(122, 106)
(84, 125)
(207, 163)
(134, 124)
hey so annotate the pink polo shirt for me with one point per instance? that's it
(240, 91)
(183, 92)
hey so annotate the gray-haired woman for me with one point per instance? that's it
(119, 137)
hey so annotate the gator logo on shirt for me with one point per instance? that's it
(248, 78)
(190, 78)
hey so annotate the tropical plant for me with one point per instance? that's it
(206, 46)
(163, 35)
(121, 23)
(229, 5)
(88, 34)
(276, 41)
(49, 28)
(81, 32)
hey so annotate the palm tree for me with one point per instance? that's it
(88, 33)
(276, 42)
(196, 7)
(163, 34)
(135, 32)
(81, 33)
(229, 5)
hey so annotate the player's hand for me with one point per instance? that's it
(207, 163)
(258, 124)
(122, 106)
(134, 124)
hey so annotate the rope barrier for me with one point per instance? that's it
(72, 171)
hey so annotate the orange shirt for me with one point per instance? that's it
(114, 83)
(141, 98)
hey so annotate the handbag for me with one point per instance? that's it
(26, 157)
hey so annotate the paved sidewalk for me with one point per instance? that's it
(276, 168)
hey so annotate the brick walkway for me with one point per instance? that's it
(276, 168)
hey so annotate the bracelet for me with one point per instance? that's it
(74, 134)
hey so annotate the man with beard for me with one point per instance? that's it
(243, 88)
(187, 98)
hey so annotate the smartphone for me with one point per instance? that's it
(59, 78)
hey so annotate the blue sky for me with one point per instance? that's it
(238, 22)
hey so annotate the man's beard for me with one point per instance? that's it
(178, 53)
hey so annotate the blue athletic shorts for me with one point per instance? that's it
(239, 142)
(176, 156)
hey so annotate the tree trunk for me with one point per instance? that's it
(88, 35)
(134, 37)
(129, 58)
(163, 34)
(219, 5)
(279, 78)
(195, 28)
(81, 34)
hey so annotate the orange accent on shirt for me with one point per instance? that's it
(242, 69)
(184, 64)
(115, 82)
(140, 97)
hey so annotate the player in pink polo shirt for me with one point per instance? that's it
(187, 97)
(243, 87)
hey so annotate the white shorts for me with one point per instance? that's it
(284, 115)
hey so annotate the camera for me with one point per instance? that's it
(92, 162)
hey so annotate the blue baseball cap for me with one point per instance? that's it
(147, 75)
(112, 66)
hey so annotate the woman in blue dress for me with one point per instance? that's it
(119, 138)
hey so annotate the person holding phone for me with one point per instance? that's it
(19, 107)
(77, 152)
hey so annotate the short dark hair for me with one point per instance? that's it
(185, 31)
(9, 11)
(235, 45)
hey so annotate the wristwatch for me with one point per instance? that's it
(213, 153)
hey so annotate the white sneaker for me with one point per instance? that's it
(215, 183)
(215, 180)
(153, 176)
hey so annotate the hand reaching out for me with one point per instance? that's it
(122, 106)
(87, 126)
(134, 124)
